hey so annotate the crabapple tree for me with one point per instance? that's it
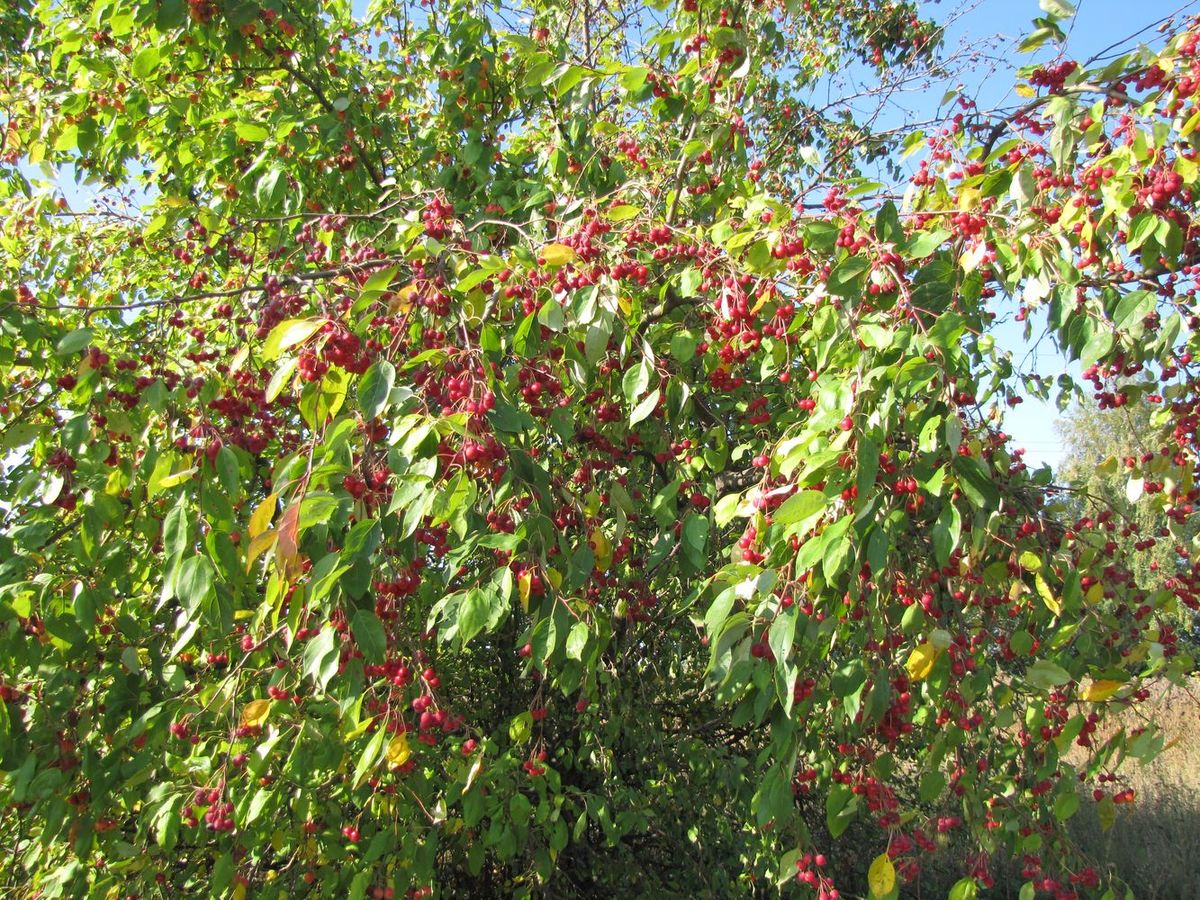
(462, 449)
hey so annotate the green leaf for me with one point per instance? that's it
(1132, 309)
(844, 279)
(228, 471)
(370, 756)
(1067, 804)
(932, 785)
(473, 614)
(289, 333)
(622, 213)
(645, 408)
(1021, 643)
(887, 224)
(1047, 675)
(74, 342)
(800, 507)
(320, 659)
(146, 62)
(840, 808)
(976, 483)
(280, 378)
(924, 244)
(194, 585)
(369, 635)
(1141, 229)
(946, 532)
(248, 131)
(595, 344)
(635, 381)
(1096, 348)
(375, 388)
(577, 640)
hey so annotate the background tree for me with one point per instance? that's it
(1101, 446)
(494, 449)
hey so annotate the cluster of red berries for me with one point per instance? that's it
(1054, 75)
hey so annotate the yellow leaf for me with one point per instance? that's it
(238, 892)
(1047, 595)
(255, 712)
(921, 660)
(403, 300)
(1024, 90)
(524, 583)
(287, 552)
(602, 547)
(289, 333)
(261, 517)
(239, 359)
(626, 305)
(558, 254)
(554, 577)
(881, 877)
(1095, 593)
(398, 752)
(968, 199)
(1100, 690)
(259, 546)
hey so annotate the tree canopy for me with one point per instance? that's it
(483, 449)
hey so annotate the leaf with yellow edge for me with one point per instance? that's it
(602, 548)
(524, 584)
(476, 768)
(255, 712)
(881, 877)
(261, 517)
(259, 546)
(1100, 689)
(921, 660)
(289, 333)
(1047, 595)
(1095, 593)
(398, 751)
(558, 254)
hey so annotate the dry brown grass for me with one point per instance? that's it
(1154, 846)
